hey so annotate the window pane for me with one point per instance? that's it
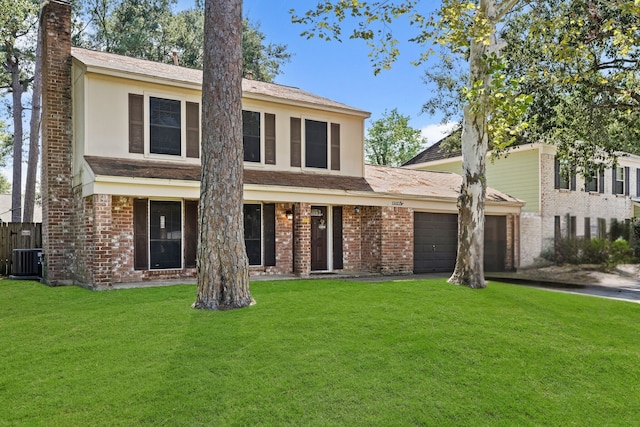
(165, 136)
(251, 136)
(592, 182)
(619, 181)
(252, 233)
(315, 144)
(165, 234)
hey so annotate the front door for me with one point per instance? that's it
(319, 227)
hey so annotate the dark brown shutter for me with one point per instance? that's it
(296, 142)
(626, 180)
(270, 139)
(613, 180)
(601, 181)
(638, 182)
(269, 218)
(193, 129)
(335, 146)
(587, 228)
(136, 123)
(338, 258)
(140, 234)
(573, 181)
(556, 173)
(190, 233)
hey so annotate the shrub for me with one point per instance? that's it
(593, 251)
(620, 252)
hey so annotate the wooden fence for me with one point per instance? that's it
(17, 235)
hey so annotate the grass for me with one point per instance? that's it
(318, 353)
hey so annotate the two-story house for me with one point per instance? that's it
(557, 205)
(121, 172)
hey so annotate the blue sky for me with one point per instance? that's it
(343, 71)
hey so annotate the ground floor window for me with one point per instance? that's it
(166, 234)
(259, 233)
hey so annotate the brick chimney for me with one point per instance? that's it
(57, 194)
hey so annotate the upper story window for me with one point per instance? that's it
(251, 136)
(621, 180)
(165, 126)
(594, 181)
(315, 137)
(321, 144)
(172, 126)
(253, 125)
(565, 178)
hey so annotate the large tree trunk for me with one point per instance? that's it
(222, 265)
(16, 185)
(34, 134)
(469, 269)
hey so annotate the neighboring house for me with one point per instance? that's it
(121, 165)
(556, 205)
(5, 209)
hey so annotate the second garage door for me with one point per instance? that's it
(436, 242)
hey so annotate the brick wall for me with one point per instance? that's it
(579, 203)
(396, 249)
(302, 239)
(371, 240)
(537, 229)
(57, 197)
(352, 238)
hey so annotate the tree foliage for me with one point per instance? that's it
(492, 102)
(581, 63)
(391, 141)
(19, 21)
(150, 29)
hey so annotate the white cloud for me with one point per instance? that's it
(435, 132)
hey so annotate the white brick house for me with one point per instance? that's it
(554, 205)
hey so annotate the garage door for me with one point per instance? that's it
(436, 240)
(495, 243)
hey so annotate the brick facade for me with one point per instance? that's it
(577, 203)
(57, 208)
(351, 238)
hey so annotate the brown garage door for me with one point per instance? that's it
(495, 243)
(436, 240)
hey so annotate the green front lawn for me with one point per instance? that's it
(318, 353)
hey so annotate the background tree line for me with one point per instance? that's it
(147, 29)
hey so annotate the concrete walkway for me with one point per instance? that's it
(623, 283)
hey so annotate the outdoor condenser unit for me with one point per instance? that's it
(27, 262)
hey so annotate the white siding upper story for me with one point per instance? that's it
(102, 84)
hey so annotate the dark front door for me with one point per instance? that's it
(435, 242)
(319, 227)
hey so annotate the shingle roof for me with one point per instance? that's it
(109, 166)
(432, 184)
(434, 152)
(378, 179)
(143, 69)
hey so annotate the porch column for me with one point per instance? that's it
(302, 239)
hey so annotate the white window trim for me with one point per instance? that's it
(183, 124)
(303, 142)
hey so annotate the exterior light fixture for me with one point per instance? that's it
(289, 215)
(356, 210)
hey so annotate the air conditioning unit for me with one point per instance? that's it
(27, 263)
